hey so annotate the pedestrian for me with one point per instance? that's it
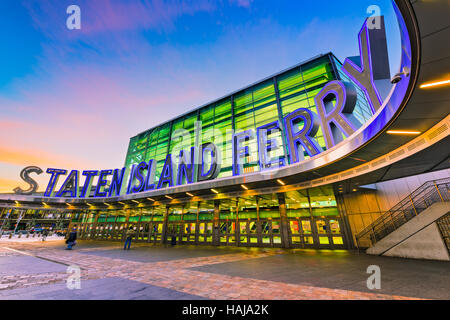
(128, 236)
(44, 234)
(71, 241)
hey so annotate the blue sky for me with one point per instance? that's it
(135, 64)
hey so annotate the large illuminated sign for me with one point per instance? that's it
(335, 106)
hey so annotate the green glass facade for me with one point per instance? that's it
(262, 103)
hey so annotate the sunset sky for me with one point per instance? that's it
(72, 98)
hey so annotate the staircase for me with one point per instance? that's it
(418, 202)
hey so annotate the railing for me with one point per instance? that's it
(419, 200)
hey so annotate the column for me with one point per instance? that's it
(216, 230)
(283, 221)
(165, 225)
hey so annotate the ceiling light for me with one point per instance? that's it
(215, 191)
(168, 197)
(244, 187)
(189, 194)
(151, 199)
(434, 84)
(135, 201)
(281, 182)
(407, 132)
(122, 203)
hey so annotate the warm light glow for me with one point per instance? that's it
(214, 190)
(281, 182)
(434, 84)
(122, 203)
(169, 197)
(244, 187)
(135, 201)
(17, 202)
(151, 199)
(189, 194)
(403, 132)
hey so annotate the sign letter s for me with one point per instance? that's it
(24, 174)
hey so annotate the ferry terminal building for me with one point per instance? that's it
(352, 194)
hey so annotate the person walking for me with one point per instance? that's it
(71, 241)
(44, 234)
(128, 236)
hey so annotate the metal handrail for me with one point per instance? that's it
(411, 206)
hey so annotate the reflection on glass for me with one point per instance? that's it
(306, 226)
(294, 227)
(308, 240)
(321, 226)
(334, 226)
(265, 227)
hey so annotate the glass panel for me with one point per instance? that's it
(294, 227)
(338, 240)
(252, 227)
(308, 240)
(324, 240)
(247, 208)
(334, 226)
(243, 227)
(323, 201)
(321, 226)
(297, 204)
(265, 228)
(306, 226)
(268, 206)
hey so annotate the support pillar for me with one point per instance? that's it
(216, 222)
(283, 221)
(165, 226)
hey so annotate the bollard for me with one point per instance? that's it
(20, 235)
(34, 234)
(10, 235)
(28, 234)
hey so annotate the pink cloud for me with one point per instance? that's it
(113, 15)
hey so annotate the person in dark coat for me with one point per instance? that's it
(44, 234)
(71, 241)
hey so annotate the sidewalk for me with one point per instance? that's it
(23, 238)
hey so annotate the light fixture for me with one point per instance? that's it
(122, 203)
(407, 132)
(168, 197)
(89, 204)
(215, 191)
(354, 190)
(17, 202)
(434, 84)
(281, 182)
(151, 199)
(244, 187)
(189, 194)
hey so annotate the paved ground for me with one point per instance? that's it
(37, 270)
